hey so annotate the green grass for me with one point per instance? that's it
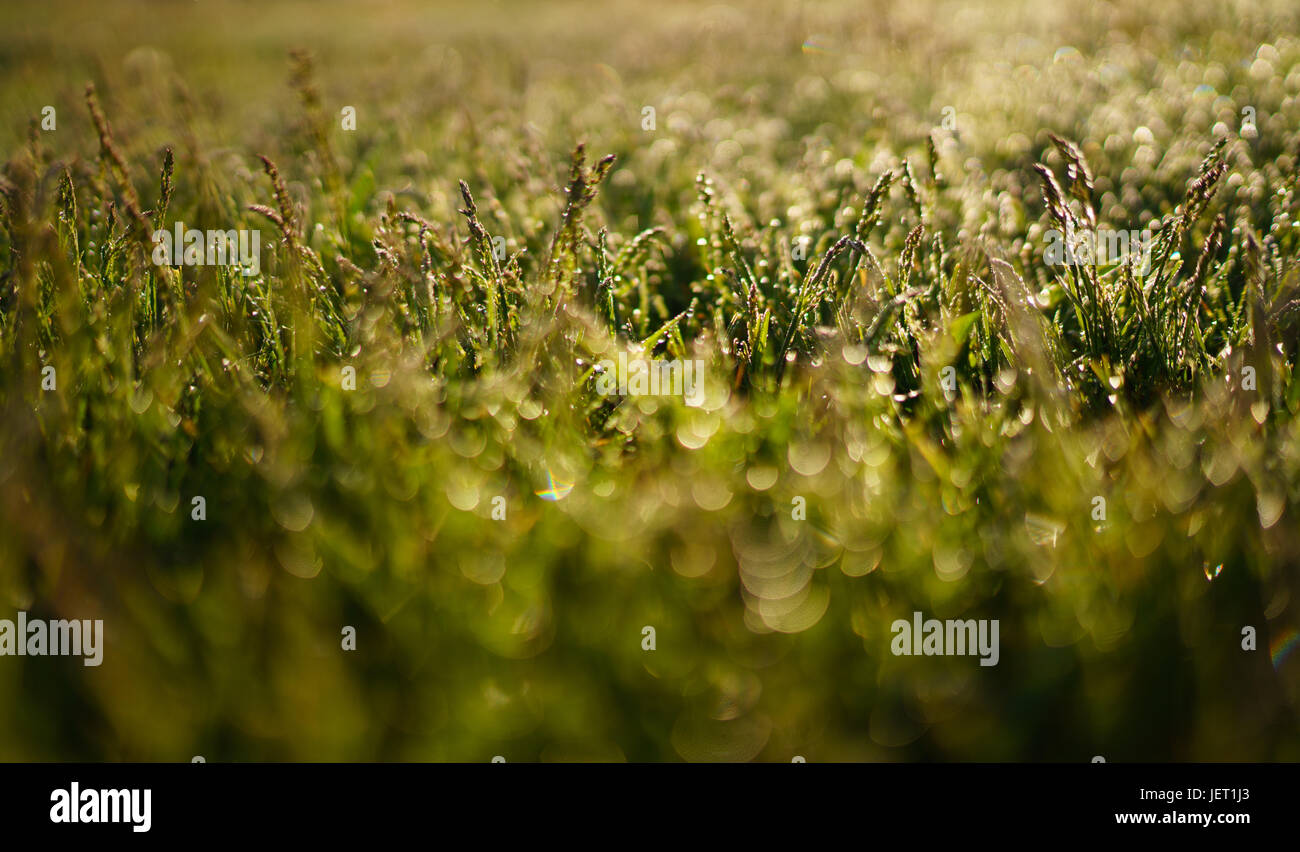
(782, 127)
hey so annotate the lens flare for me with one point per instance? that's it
(555, 491)
(1283, 644)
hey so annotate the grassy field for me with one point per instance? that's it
(843, 211)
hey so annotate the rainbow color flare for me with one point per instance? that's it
(1283, 644)
(555, 491)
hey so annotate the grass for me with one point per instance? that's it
(803, 221)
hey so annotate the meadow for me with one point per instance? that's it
(369, 504)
